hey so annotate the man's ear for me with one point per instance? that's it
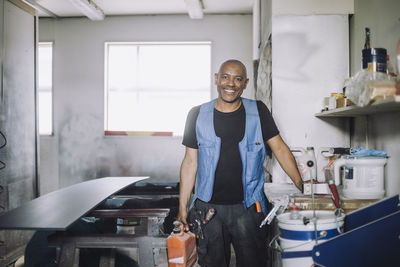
(216, 78)
(247, 82)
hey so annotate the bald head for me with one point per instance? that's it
(235, 62)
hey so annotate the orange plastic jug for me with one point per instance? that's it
(181, 247)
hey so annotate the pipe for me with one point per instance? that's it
(256, 29)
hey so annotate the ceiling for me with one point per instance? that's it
(64, 8)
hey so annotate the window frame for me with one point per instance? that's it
(51, 44)
(107, 45)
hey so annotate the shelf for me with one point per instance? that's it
(388, 104)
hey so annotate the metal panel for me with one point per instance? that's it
(373, 244)
(59, 209)
(370, 213)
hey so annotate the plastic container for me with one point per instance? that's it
(363, 176)
(306, 162)
(181, 248)
(295, 236)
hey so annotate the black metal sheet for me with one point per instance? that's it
(59, 209)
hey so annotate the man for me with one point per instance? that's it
(398, 67)
(225, 146)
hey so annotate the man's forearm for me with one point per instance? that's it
(187, 179)
(291, 170)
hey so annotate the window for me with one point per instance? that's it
(45, 90)
(150, 87)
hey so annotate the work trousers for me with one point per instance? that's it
(232, 224)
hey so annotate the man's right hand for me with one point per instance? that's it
(182, 217)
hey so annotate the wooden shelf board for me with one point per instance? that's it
(388, 104)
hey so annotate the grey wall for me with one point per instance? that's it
(17, 119)
(266, 20)
(383, 19)
(380, 131)
(79, 150)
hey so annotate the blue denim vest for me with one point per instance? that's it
(251, 148)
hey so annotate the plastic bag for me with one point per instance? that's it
(367, 86)
(367, 152)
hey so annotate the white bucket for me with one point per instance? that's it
(297, 240)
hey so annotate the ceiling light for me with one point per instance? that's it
(89, 9)
(195, 8)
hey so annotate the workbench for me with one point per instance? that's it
(58, 210)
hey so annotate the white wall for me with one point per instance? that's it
(308, 63)
(271, 8)
(79, 145)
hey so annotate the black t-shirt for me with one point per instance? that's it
(230, 127)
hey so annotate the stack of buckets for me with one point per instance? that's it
(297, 237)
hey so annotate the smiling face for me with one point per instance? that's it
(231, 81)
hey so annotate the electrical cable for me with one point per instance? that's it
(313, 208)
(3, 145)
(5, 140)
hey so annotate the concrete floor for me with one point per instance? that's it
(162, 259)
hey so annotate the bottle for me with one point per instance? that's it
(294, 212)
(181, 247)
(366, 52)
(367, 44)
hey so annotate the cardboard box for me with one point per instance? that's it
(343, 102)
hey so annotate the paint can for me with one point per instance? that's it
(297, 238)
(374, 59)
